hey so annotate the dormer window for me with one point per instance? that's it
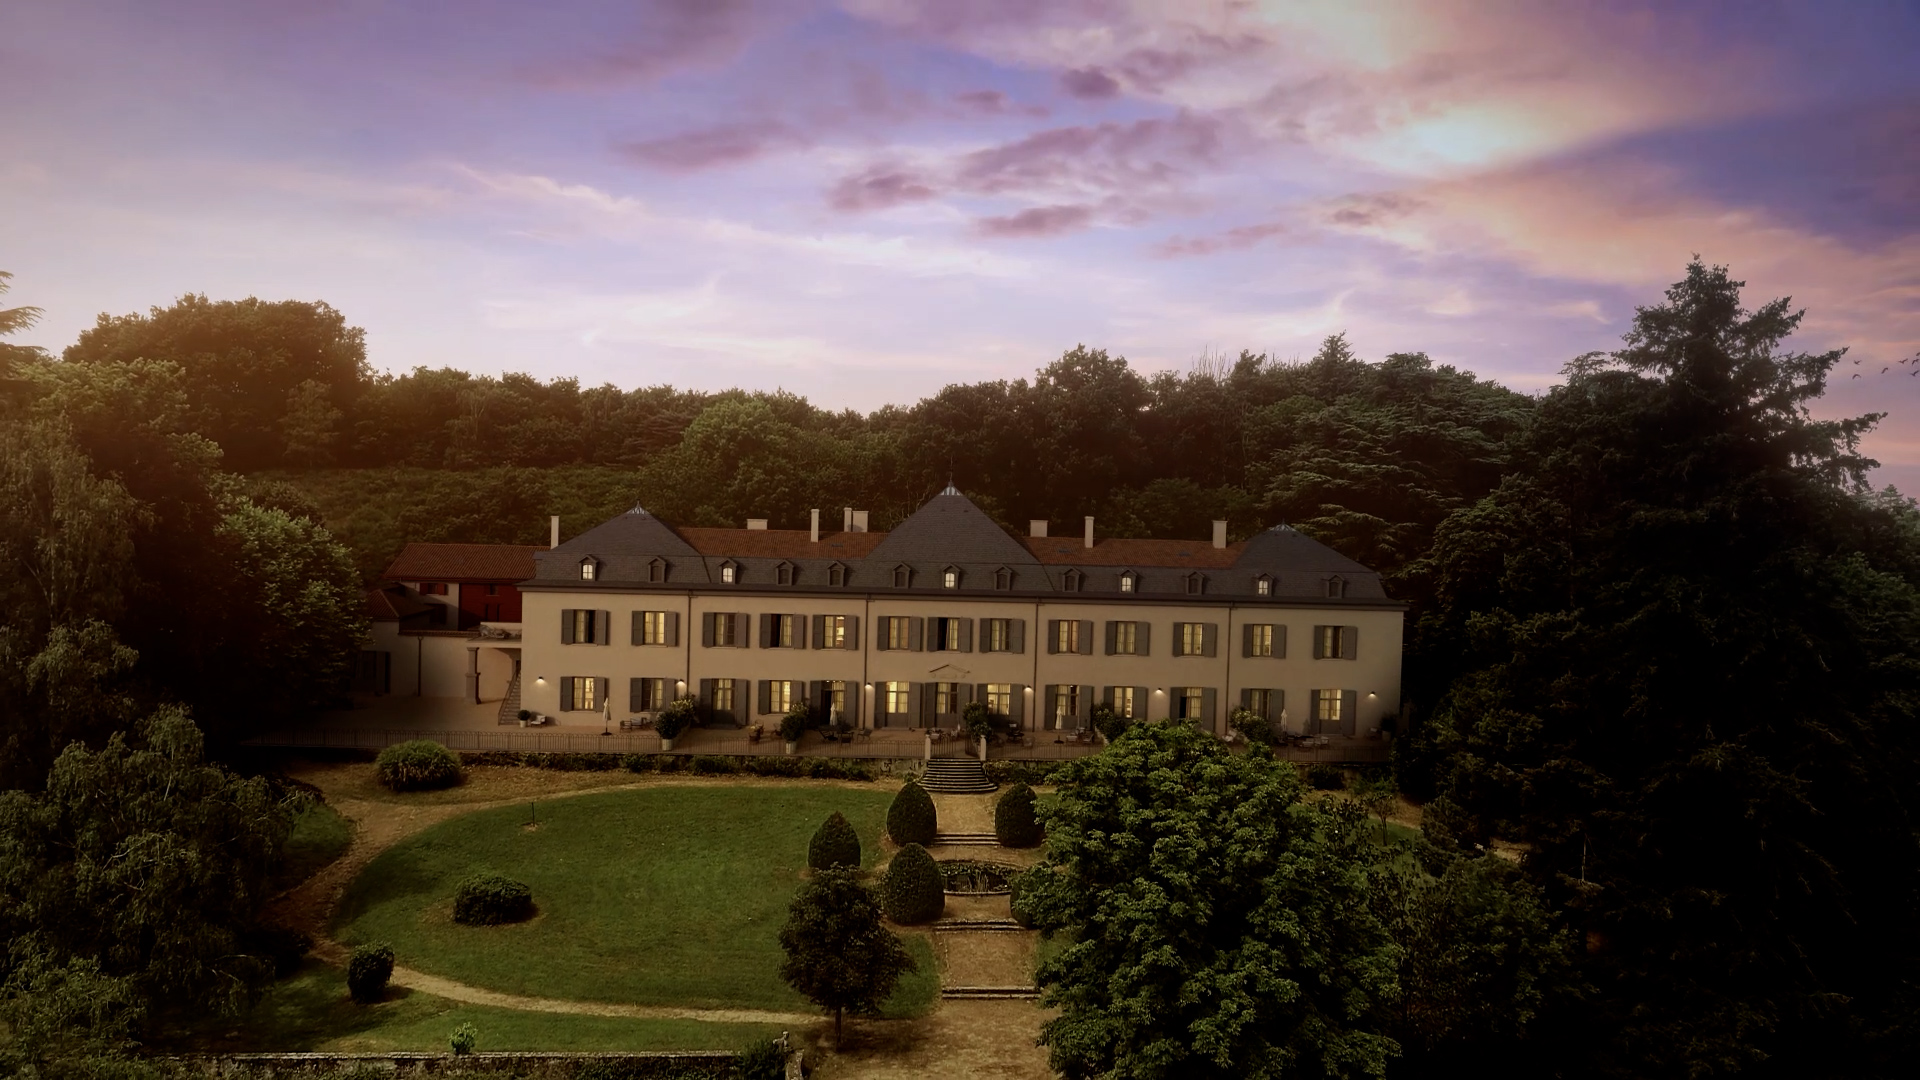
(1073, 580)
(656, 570)
(1196, 583)
(729, 572)
(950, 578)
(902, 576)
(589, 569)
(1263, 585)
(837, 575)
(1129, 581)
(1336, 588)
(1003, 578)
(784, 573)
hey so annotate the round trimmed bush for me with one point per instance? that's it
(834, 844)
(491, 899)
(1013, 821)
(677, 717)
(914, 891)
(419, 765)
(368, 970)
(911, 819)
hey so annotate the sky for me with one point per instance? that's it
(862, 201)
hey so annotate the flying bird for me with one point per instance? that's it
(1884, 370)
(1856, 374)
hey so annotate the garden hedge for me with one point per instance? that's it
(368, 970)
(834, 844)
(488, 899)
(911, 818)
(914, 891)
(1013, 822)
(1326, 777)
(418, 765)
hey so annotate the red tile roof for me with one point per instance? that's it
(780, 543)
(463, 562)
(1072, 551)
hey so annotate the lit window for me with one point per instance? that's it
(1066, 704)
(1066, 636)
(946, 634)
(1326, 706)
(583, 626)
(1263, 586)
(1125, 638)
(724, 626)
(1192, 701)
(1259, 641)
(782, 632)
(726, 574)
(582, 693)
(586, 570)
(1193, 638)
(833, 632)
(996, 636)
(1123, 702)
(897, 696)
(1330, 643)
(833, 698)
(1260, 703)
(946, 698)
(779, 697)
(650, 695)
(950, 580)
(653, 628)
(899, 632)
(723, 695)
(1000, 699)
(1126, 582)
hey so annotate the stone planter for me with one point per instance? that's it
(666, 742)
(792, 748)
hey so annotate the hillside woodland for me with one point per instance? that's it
(1663, 642)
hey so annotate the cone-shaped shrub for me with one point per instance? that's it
(914, 891)
(834, 844)
(418, 765)
(911, 818)
(368, 970)
(491, 899)
(1013, 820)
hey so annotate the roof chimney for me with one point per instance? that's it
(553, 531)
(1089, 532)
(846, 522)
(859, 521)
(1037, 527)
(815, 538)
(1219, 533)
(757, 524)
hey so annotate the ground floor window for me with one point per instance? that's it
(833, 698)
(946, 698)
(649, 695)
(1124, 703)
(1000, 698)
(1191, 701)
(1326, 706)
(1066, 704)
(723, 695)
(897, 695)
(1260, 703)
(780, 696)
(579, 693)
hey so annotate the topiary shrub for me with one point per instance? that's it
(834, 844)
(911, 819)
(914, 891)
(795, 723)
(1013, 821)
(1326, 777)
(677, 717)
(419, 765)
(368, 970)
(488, 899)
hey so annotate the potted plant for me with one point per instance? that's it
(525, 715)
(978, 720)
(674, 719)
(793, 725)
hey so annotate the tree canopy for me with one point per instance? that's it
(839, 954)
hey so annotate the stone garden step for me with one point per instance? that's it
(988, 993)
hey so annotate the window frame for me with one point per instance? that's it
(729, 572)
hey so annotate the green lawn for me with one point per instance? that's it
(310, 1011)
(657, 896)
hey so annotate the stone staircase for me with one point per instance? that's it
(956, 776)
(967, 839)
(510, 705)
(979, 925)
(988, 993)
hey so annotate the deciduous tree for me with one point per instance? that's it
(839, 954)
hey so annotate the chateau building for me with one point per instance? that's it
(905, 628)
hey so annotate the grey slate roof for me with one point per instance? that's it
(950, 532)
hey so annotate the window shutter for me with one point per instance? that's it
(819, 631)
(1209, 699)
(1349, 643)
(1276, 703)
(915, 640)
(1113, 631)
(673, 629)
(852, 712)
(706, 693)
(966, 635)
(1280, 642)
(1209, 639)
(604, 687)
(766, 696)
(740, 628)
(1048, 695)
(1106, 695)
(635, 689)
(1017, 635)
(1017, 705)
(853, 631)
(1246, 640)
(1349, 710)
(1053, 637)
(1086, 637)
(566, 626)
(766, 633)
(1319, 645)
(706, 629)
(1143, 703)
(1085, 713)
(916, 705)
(1142, 639)
(603, 628)
(799, 631)
(1246, 697)
(639, 617)
(1311, 724)
(980, 692)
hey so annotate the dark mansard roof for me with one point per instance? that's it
(638, 550)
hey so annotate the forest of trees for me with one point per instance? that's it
(1663, 640)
